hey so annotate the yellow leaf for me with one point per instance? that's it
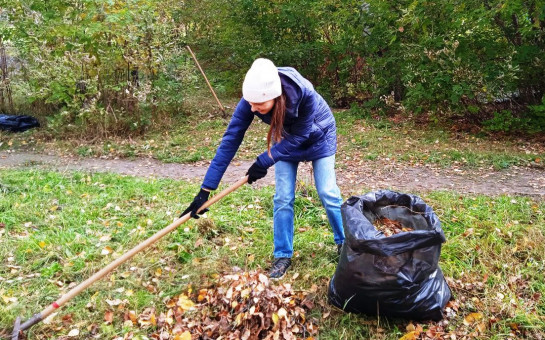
(472, 317)
(185, 303)
(238, 319)
(184, 336)
(409, 336)
(158, 272)
(245, 293)
(275, 318)
(8, 299)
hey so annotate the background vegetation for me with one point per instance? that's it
(113, 78)
(114, 67)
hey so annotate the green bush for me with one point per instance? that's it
(124, 62)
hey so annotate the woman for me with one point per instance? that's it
(302, 128)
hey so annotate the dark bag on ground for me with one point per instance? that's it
(17, 123)
(395, 276)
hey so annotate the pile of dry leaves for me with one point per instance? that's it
(239, 306)
(389, 227)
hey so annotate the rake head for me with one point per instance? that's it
(16, 329)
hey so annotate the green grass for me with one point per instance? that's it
(360, 136)
(57, 229)
(407, 142)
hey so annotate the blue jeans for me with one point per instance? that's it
(330, 195)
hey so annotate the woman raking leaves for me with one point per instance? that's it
(302, 128)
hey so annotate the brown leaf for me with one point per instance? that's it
(109, 316)
(67, 319)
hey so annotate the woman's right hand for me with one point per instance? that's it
(198, 202)
(255, 172)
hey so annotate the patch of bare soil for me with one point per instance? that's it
(354, 178)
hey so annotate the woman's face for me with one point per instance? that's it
(262, 108)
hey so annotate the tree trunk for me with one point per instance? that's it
(5, 87)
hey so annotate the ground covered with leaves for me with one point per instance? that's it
(203, 280)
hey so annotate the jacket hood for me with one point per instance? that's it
(293, 85)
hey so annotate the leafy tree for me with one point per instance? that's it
(120, 64)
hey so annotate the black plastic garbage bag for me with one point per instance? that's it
(18, 123)
(398, 275)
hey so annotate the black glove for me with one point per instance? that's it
(198, 201)
(255, 172)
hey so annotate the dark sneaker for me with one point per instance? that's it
(279, 267)
(339, 248)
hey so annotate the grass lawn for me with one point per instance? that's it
(361, 135)
(57, 229)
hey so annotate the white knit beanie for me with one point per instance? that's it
(262, 82)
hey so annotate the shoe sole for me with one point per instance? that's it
(277, 278)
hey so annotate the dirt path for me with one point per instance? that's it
(354, 178)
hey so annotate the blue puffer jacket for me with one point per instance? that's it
(309, 129)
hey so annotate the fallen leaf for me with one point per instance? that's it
(472, 317)
(73, 333)
(115, 302)
(184, 336)
(409, 336)
(185, 303)
(109, 316)
(275, 318)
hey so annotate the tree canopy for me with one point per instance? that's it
(125, 60)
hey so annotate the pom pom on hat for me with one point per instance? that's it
(262, 82)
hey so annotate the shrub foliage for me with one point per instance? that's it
(116, 64)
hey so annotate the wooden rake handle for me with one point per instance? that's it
(206, 79)
(116, 263)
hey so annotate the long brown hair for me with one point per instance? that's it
(277, 121)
